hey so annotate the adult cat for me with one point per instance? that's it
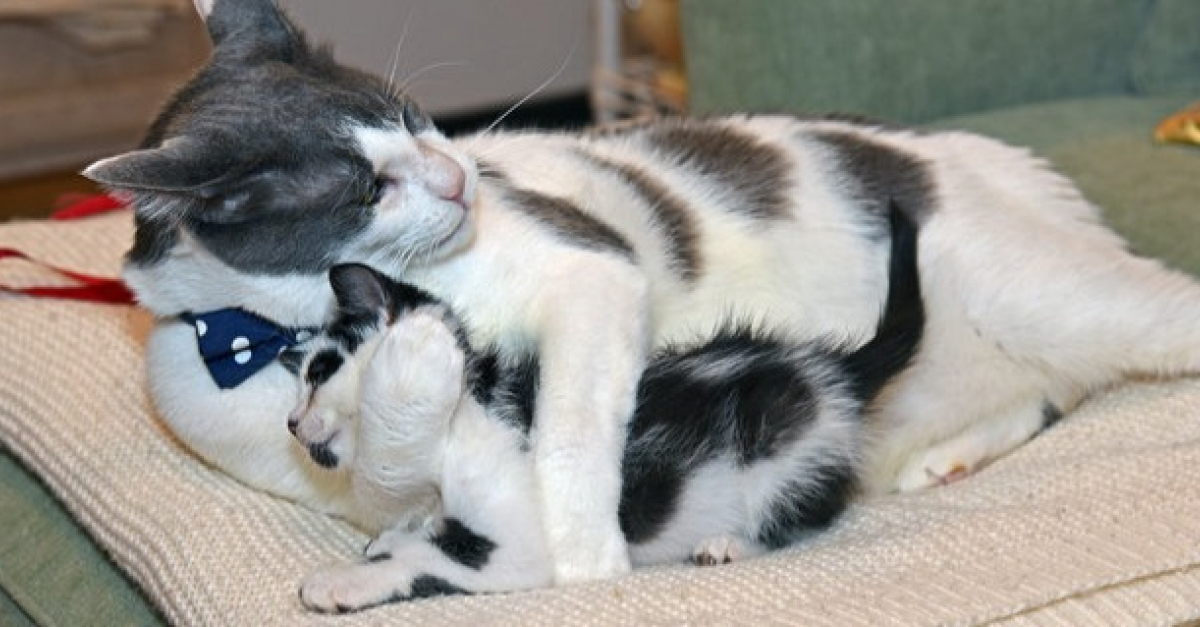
(740, 444)
(275, 163)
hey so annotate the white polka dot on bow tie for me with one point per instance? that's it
(201, 328)
(303, 336)
(240, 343)
(242, 357)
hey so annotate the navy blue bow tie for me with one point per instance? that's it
(235, 344)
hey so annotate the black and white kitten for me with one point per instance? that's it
(595, 250)
(740, 444)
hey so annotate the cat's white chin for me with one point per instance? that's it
(458, 238)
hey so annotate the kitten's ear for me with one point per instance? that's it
(180, 165)
(245, 28)
(359, 289)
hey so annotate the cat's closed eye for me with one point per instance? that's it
(379, 187)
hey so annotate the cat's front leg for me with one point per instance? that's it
(593, 351)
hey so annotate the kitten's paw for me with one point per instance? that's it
(346, 588)
(420, 362)
(719, 550)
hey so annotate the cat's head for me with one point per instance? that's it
(273, 164)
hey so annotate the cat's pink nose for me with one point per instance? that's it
(444, 176)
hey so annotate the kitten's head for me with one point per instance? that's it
(273, 164)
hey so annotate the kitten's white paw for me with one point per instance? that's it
(346, 588)
(719, 550)
(419, 363)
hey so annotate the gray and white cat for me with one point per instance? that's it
(742, 443)
(595, 250)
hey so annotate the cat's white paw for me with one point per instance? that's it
(936, 467)
(719, 550)
(581, 563)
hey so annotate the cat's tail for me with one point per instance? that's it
(902, 324)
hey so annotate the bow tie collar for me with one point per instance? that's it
(235, 344)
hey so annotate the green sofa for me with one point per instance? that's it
(1082, 82)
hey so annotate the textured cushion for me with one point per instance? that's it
(954, 57)
(1095, 518)
(1167, 59)
(1150, 192)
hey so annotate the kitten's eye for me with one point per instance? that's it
(415, 119)
(379, 187)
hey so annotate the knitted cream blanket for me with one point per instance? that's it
(1097, 521)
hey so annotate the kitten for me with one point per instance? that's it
(596, 250)
(740, 444)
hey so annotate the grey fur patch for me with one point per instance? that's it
(570, 223)
(874, 175)
(671, 215)
(756, 174)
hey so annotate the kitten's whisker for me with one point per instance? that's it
(562, 67)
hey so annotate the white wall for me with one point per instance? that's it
(501, 49)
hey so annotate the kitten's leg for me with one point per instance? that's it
(410, 390)
(404, 566)
(725, 550)
(592, 356)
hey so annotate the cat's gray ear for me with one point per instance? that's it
(359, 289)
(180, 165)
(248, 28)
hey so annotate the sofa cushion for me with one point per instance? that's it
(1167, 59)
(50, 571)
(955, 57)
(1150, 192)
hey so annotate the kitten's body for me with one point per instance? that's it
(594, 251)
(742, 443)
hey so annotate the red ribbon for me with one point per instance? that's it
(90, 288)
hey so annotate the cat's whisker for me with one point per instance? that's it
(432, 66)
(562, 67)
(395, 65)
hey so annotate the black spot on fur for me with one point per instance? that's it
(804, 506)
(757, 175)
(379, 557)
(292, 359)
(323, 455)
(427, 586)
(323, 366)
(670, 214)
(463, 545)
(1051, 414)
(875, 175)
(570, 223)
(743, 393)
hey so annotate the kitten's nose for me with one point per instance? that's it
(444, 176)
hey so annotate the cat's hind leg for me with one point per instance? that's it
(962, 455)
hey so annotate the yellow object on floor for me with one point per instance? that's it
(1182, 127)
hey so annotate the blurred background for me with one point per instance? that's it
(81, 79)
